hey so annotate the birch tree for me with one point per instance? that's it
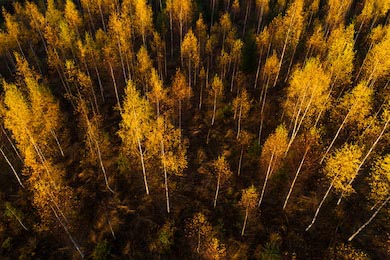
(293, 21)
(190, 52)
(307, 96)
(135, 125)
(336, 15)
(312, 137)
(272, 155)
(223, 173)
(164, 141)
(339, 61)
(241, 107)
(356, 105)
(216, 91)
(143, 19)
(199, 232)
(340, 168)
(379, 181)
(377, 63)
(269, 71)
(180, 93)
(244, 141)
(248, 201)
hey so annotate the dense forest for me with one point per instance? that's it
(188, 129)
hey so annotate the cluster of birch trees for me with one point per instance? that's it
(215, 129)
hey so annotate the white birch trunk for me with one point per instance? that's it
(369, 220)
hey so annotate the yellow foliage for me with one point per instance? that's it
(165, 136)
(290, 24)
(264, 5)
(357, 104)
(347, 252)
(307, 93)
(158, 93)
(143, 18)
(337, 11)
(217, 86)
(241, 104)
(200, 232)
(72, 15)
(225, 22)
(144, 62)
(201, 29)
(17, 117)
(377, 65)
(380, 179)
(373, 9)
(317, 42)
(180, 88)
(275, 147)
(263, 39)
(136, 118)
(271, 66)
(222, 169)
(190, 48)
(341, 54)
(181, 10)
(249, 198)
(215, 250)
(341, 167)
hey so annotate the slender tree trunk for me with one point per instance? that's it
(257, 71)
(100, 82)
(240, 161)
(245, 220)
(165, 176)
(239, 121)
(115, 87)
(110, 226)
(102, 167)
(334, 138)
(90, 18)
(212, 11)
(297, 125)
(198, 245)
(364, 61)
(260, 19)
(319, 207)
(217, 190)
(290, 64)
(57, 141)
(201, 95)
(365, 157)
(247, 12)
(143, 166)
(102, 17)
(358, 32)
(369, 220)
(170, 25)
(18, 219)
(181, 39)
(262, 100)
(284, 49)
(180, 114)
(36, 58)
(68, 233)
(189, 72)
(214, 109)
(233, 76)
(13, 146)
(13, 169)
(295, 178)
(266, 179)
